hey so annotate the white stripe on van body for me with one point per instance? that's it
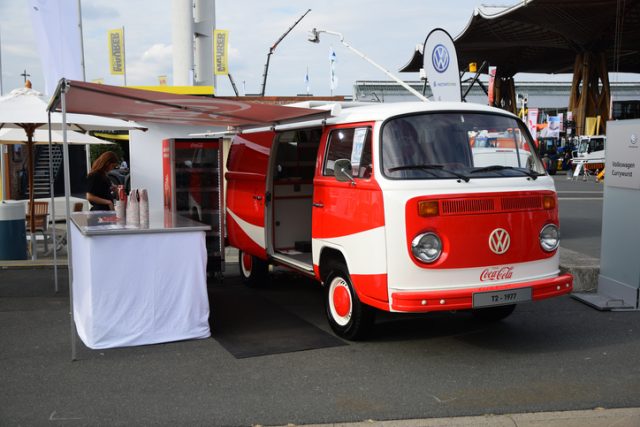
(254, 232)
(364, 252)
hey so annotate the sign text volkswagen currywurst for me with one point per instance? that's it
(622, 167)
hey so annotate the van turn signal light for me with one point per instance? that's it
(428, 208)
(548, 202)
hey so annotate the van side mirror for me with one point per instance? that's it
(342, 171)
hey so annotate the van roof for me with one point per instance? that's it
(383, 111)
(353, 112)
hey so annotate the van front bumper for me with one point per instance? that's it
(463, 299)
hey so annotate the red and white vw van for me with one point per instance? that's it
(407, 207)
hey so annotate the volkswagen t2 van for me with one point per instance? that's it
(395, 207)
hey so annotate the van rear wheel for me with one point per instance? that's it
(494, 314)
(254, 271)
(348, 317)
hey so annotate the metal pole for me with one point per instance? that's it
(67, 192)
(1, 87)
(124, 57)
(3, 166)
(84, 75)
(369, 60)
(53, 211)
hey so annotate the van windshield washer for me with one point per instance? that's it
(496, 168)
(428, 168)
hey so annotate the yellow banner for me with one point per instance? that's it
(220, 52)
(116, 51)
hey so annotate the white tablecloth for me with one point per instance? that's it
(135, 289)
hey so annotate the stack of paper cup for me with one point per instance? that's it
(133, 209)
(121, 205)
(144, 208)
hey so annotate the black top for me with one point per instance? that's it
(99, 185)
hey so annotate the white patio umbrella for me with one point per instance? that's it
(26, 109)
(13, 136)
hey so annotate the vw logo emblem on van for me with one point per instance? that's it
(499, 241)
(440, 58)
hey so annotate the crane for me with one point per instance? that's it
(273, 48)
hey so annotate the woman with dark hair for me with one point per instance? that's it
(98, 183)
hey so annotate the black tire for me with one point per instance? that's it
(254, 271)
(494, 314)
(348, 317)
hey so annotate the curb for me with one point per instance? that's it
(584, 268)
(623, 417)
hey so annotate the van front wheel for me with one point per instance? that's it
(254, 270)
(348, 317)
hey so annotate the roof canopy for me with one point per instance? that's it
(157, 107)
(544, 36)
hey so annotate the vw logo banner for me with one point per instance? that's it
(441, 66)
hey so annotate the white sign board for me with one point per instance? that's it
(622, 164)
(441, 66)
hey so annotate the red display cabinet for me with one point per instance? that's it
(192, 169)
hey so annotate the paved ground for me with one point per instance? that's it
(553, 363)
(556, 355)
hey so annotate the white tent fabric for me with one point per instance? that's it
(12, 136)
(28, 106)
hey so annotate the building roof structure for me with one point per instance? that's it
(544, 36)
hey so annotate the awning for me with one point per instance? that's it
(157, 107)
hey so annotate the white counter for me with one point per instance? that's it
(138, 286)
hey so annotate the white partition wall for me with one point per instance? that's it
(145, 153)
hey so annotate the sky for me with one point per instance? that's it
(386, 31)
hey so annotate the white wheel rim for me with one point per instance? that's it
(246, 271)
(338, 284)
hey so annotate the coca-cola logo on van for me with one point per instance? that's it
(496, 273)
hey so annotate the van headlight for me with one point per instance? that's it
(426, 247)
(549, 237)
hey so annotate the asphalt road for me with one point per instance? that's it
(552, 355)
(580, 208)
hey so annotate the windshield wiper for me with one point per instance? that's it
(430, 167)
(531, 174)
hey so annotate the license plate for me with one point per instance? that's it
(511, 296)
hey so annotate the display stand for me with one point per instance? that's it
(619, 279)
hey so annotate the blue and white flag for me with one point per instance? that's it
(332, 62)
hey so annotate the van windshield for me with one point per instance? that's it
(457, 145)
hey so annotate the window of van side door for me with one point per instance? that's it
(353, 144)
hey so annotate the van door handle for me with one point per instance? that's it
(318, 205)
(257, 197)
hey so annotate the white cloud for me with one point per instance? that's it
(155, 61)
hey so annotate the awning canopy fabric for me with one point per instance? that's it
(157, 107)
(544, 36)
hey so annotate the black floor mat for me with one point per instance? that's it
(248, 325)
